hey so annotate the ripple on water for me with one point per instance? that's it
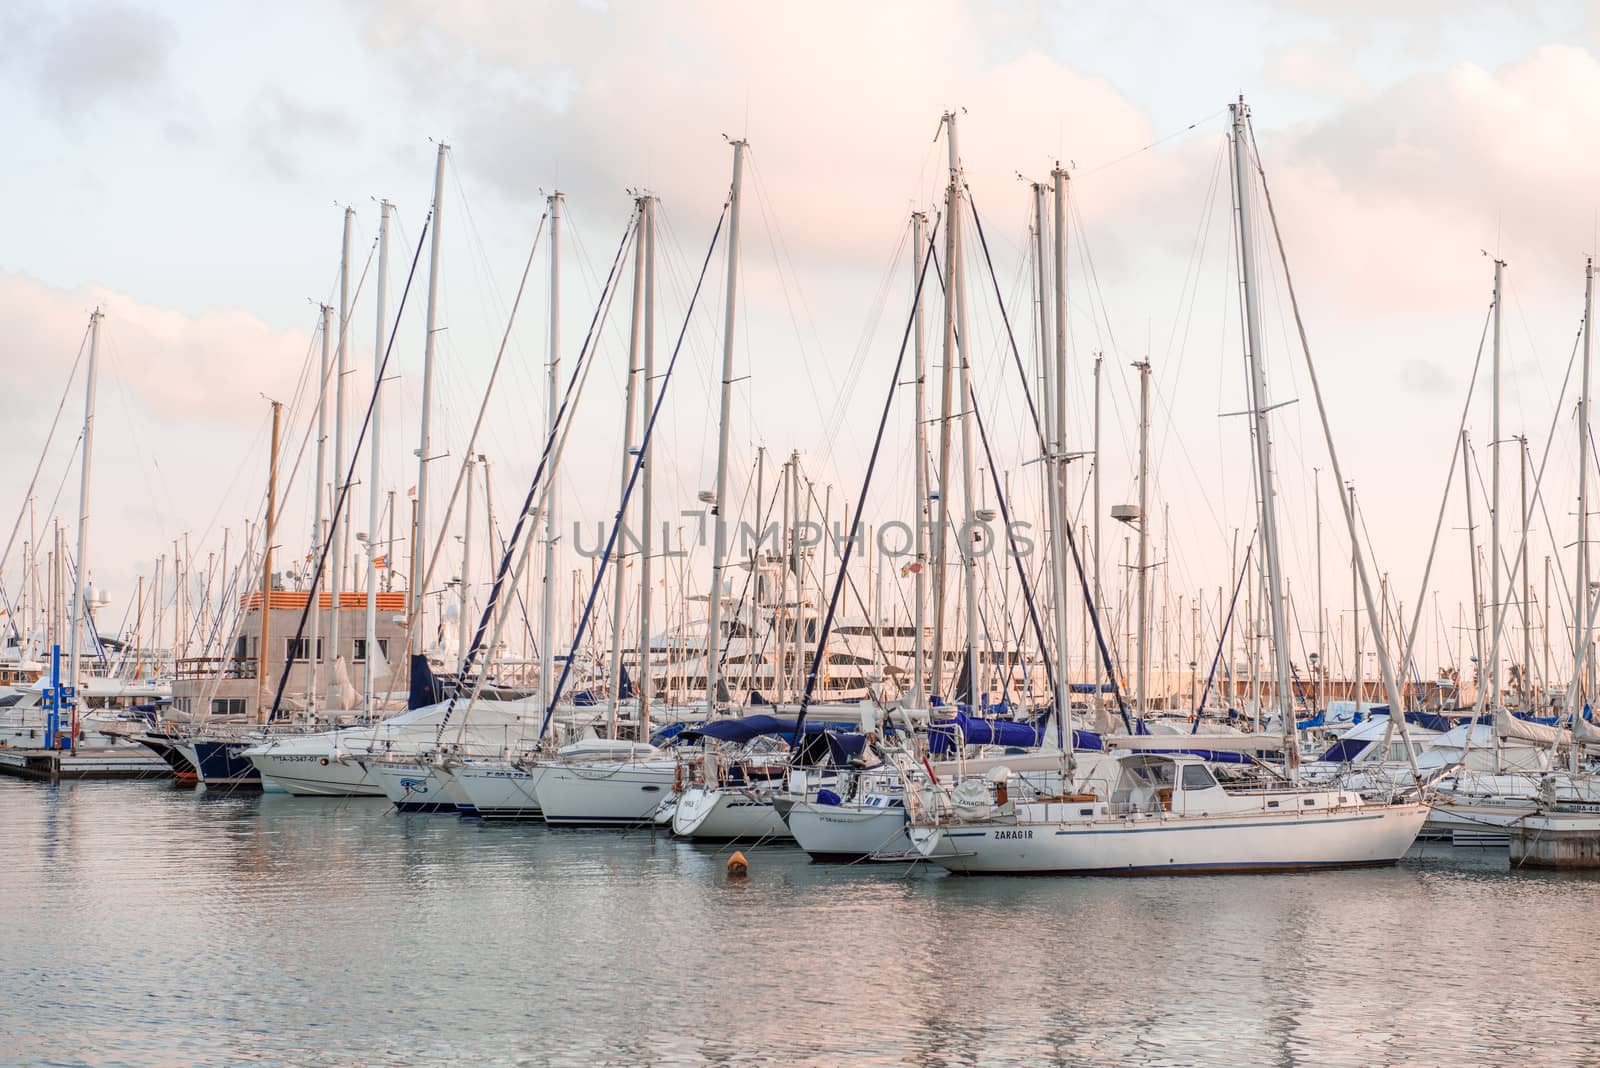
(150, 926)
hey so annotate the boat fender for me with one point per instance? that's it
(677, 779)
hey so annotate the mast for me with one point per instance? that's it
(263, 641)
(1142, 637)
(941, 544)
(1494, 504)
(547, 621)
(1061, 515)
(1527, 586)
(1259, 407)
(313, 638)
(1094, 545)
(84, 468)
(464, 584)
(1581, 595)
(336, 575)
(1477, 594)
(629, 404)
(647, 209)
(780, 673)
(957, 282)
(1355, 611)
(752, 681)
(373, 497)
(1322, 651)
(719, 550)
(416, 595)
(1580, 602)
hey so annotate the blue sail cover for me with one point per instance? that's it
(946, 736)
(744, 729)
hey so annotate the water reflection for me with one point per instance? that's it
(145, 925)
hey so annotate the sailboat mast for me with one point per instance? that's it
(1142, 637)
(1322, 651)
(547, 620)
(1062, 518)
(1472, 554)
(1094, 547)
(263, 640)
(957, 281)
(646, 683)
(1259, 407)
(1494, 501)
(464, 582)
(629, 405)
(941, 544)
(719, 524)
(417, 596)
(1047, 370)
(1527, 587)
(1580, 601)
(336, 575)
(918, 695)
(1583, 605)
(314, 629)
(84, 469)
(375, 447)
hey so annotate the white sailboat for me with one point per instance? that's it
(1166, 812)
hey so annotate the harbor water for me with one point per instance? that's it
(145, 925)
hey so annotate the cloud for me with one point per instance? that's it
(1313, 69)
(204, 371)
(284, 131)
(1393, 197)
(180, 427)
(840, 104)
(100, 52)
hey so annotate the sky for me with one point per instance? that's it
(185, 167)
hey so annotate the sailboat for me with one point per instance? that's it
(576, 790)
(1166, 812)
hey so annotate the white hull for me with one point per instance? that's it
(849, 832)
(727, 814)
(496, 790)
(316, 775)
(604, 793)
(412, 787)
(1340, 837)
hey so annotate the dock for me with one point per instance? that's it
(1560, 838)
(56, 765)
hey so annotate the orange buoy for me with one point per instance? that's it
(738, 867)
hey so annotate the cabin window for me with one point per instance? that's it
(1197, 777)
(1309, 801)
(227, 706)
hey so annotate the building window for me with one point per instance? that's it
(296, 648)
(241, 647)
(227, 706)
(361, 649)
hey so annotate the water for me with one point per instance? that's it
(143, 925)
